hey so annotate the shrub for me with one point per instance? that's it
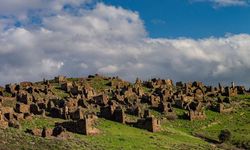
(224, 135)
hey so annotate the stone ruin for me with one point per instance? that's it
(113, 112)
(57, 131)
(196, 111)
(148, 122)
(82, 126)
(82, 104)
(3, 122)
(32, 100)
(60, 79)
(223, 105)
(167, 109)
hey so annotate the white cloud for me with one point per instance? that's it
(84, 66)
(49, 66)
(113, 41)
(108, 69)
(225, 3)
(15, 7)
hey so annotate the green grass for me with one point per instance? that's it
(178, 134)
(9, 103)
(113, 136)
(39, 122)
(241, 97)
(17, 139)
(60, 93)
(191, 126)
(98, 83)
(174, 135)
(6, 94)
(12, 138)
(237, 122)
(118, 136)
(73, 79)
(146, 90)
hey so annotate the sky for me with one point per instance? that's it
(187, 18)
(184, 40)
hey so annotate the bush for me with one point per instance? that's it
(224, 135)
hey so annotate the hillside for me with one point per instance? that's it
(98, 112)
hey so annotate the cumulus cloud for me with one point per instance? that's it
(26, 12)
(17, 7)
(113, 41)
(109, 69)
(225, 3)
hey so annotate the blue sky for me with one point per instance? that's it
(184, 40)
(182, 18)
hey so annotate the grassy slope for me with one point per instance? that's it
(113, 136)
(237, 122)
(175, 135)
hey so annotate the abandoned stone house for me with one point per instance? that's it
(3, 122)
(119, 115)
(60, 79)
(75, 90)
(182, 101)
(166, 108)
(138, 91)
(113, 112)
(135, 110)
(22, 108)
(24, 97)
(241, 90)
(58, 131)
(76, 115)
(148, 122)
(230, 91)
(196, 115)
(198, 94)
(223, 108)
(82, 126)
(154, 100)
(101, 100)
(108, 111)
(121, 99)
(11, 88)
(88, 92)
(196, 111)
(66, 86)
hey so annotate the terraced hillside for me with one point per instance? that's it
(176, 129)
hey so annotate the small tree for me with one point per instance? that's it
(224, 135)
